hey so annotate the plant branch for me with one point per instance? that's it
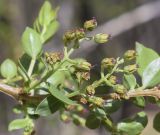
(153, 92)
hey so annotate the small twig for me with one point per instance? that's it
(153, 92)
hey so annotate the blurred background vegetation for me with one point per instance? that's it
(127, 20)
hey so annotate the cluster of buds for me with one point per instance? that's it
(83, 65)
(90, 90)
(73, 35)
(97, 101)
(101, 38)
(52, 58)
(113, 79)
(131, 68)
(83, 75)
(120, 89)
(90, 24)
(130, 55)
(108, 63)
(83, 100)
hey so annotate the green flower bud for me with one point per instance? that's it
(113, 79)
(90, 24)
(130, 55)
(131, 68)
(120, 89)
(79, 33)
(69, 36)
(90, 90)
(79, 108)
(108, 63)
(64, 117)
(101, 38)
(97, 101)
(84, 65)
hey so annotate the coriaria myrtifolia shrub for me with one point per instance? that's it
(47, 82)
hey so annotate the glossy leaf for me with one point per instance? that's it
(156, 122)
(8, 69)
(133, 126)
(129, 81)
(151, 75)
(31, 42)
(60, 96)
(144, 57)
(92, 122)
(19, 124)
(48, 106)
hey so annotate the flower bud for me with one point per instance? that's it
(79, 33)
(79, 108)
(108, 63)
(97, 101)
(113, 79)
(101, 38)
(52, 58)
(83, 100)
(120, 89)
(131, 68)
(90, 90)
(84, 65)
(130, 55)
(90, 24)
(64, 117)
(69, 36)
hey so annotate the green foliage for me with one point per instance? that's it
(133, 126)
(8, 69)
(151, 74)
(31, 42)
(156, 121)
(48, 106)
(49, 82)
(144, 57)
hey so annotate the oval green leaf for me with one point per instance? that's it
(92, 122)
(31, 42)
(8, 69)
(144, 57)
(156, 122)
(19, 124)
(151, 75)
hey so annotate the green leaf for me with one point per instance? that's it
(99, 113)
(61, 96)
(129, 81)
(133, 126)
(50, 30)
(8, 69)
(144, 57)
(139, 101)
(31, 42)
(48, 106)
(18, 124)
(156, 122)
(57, 78)
(92, 122)
(112, 106)
(151, 75)
(46, 14)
